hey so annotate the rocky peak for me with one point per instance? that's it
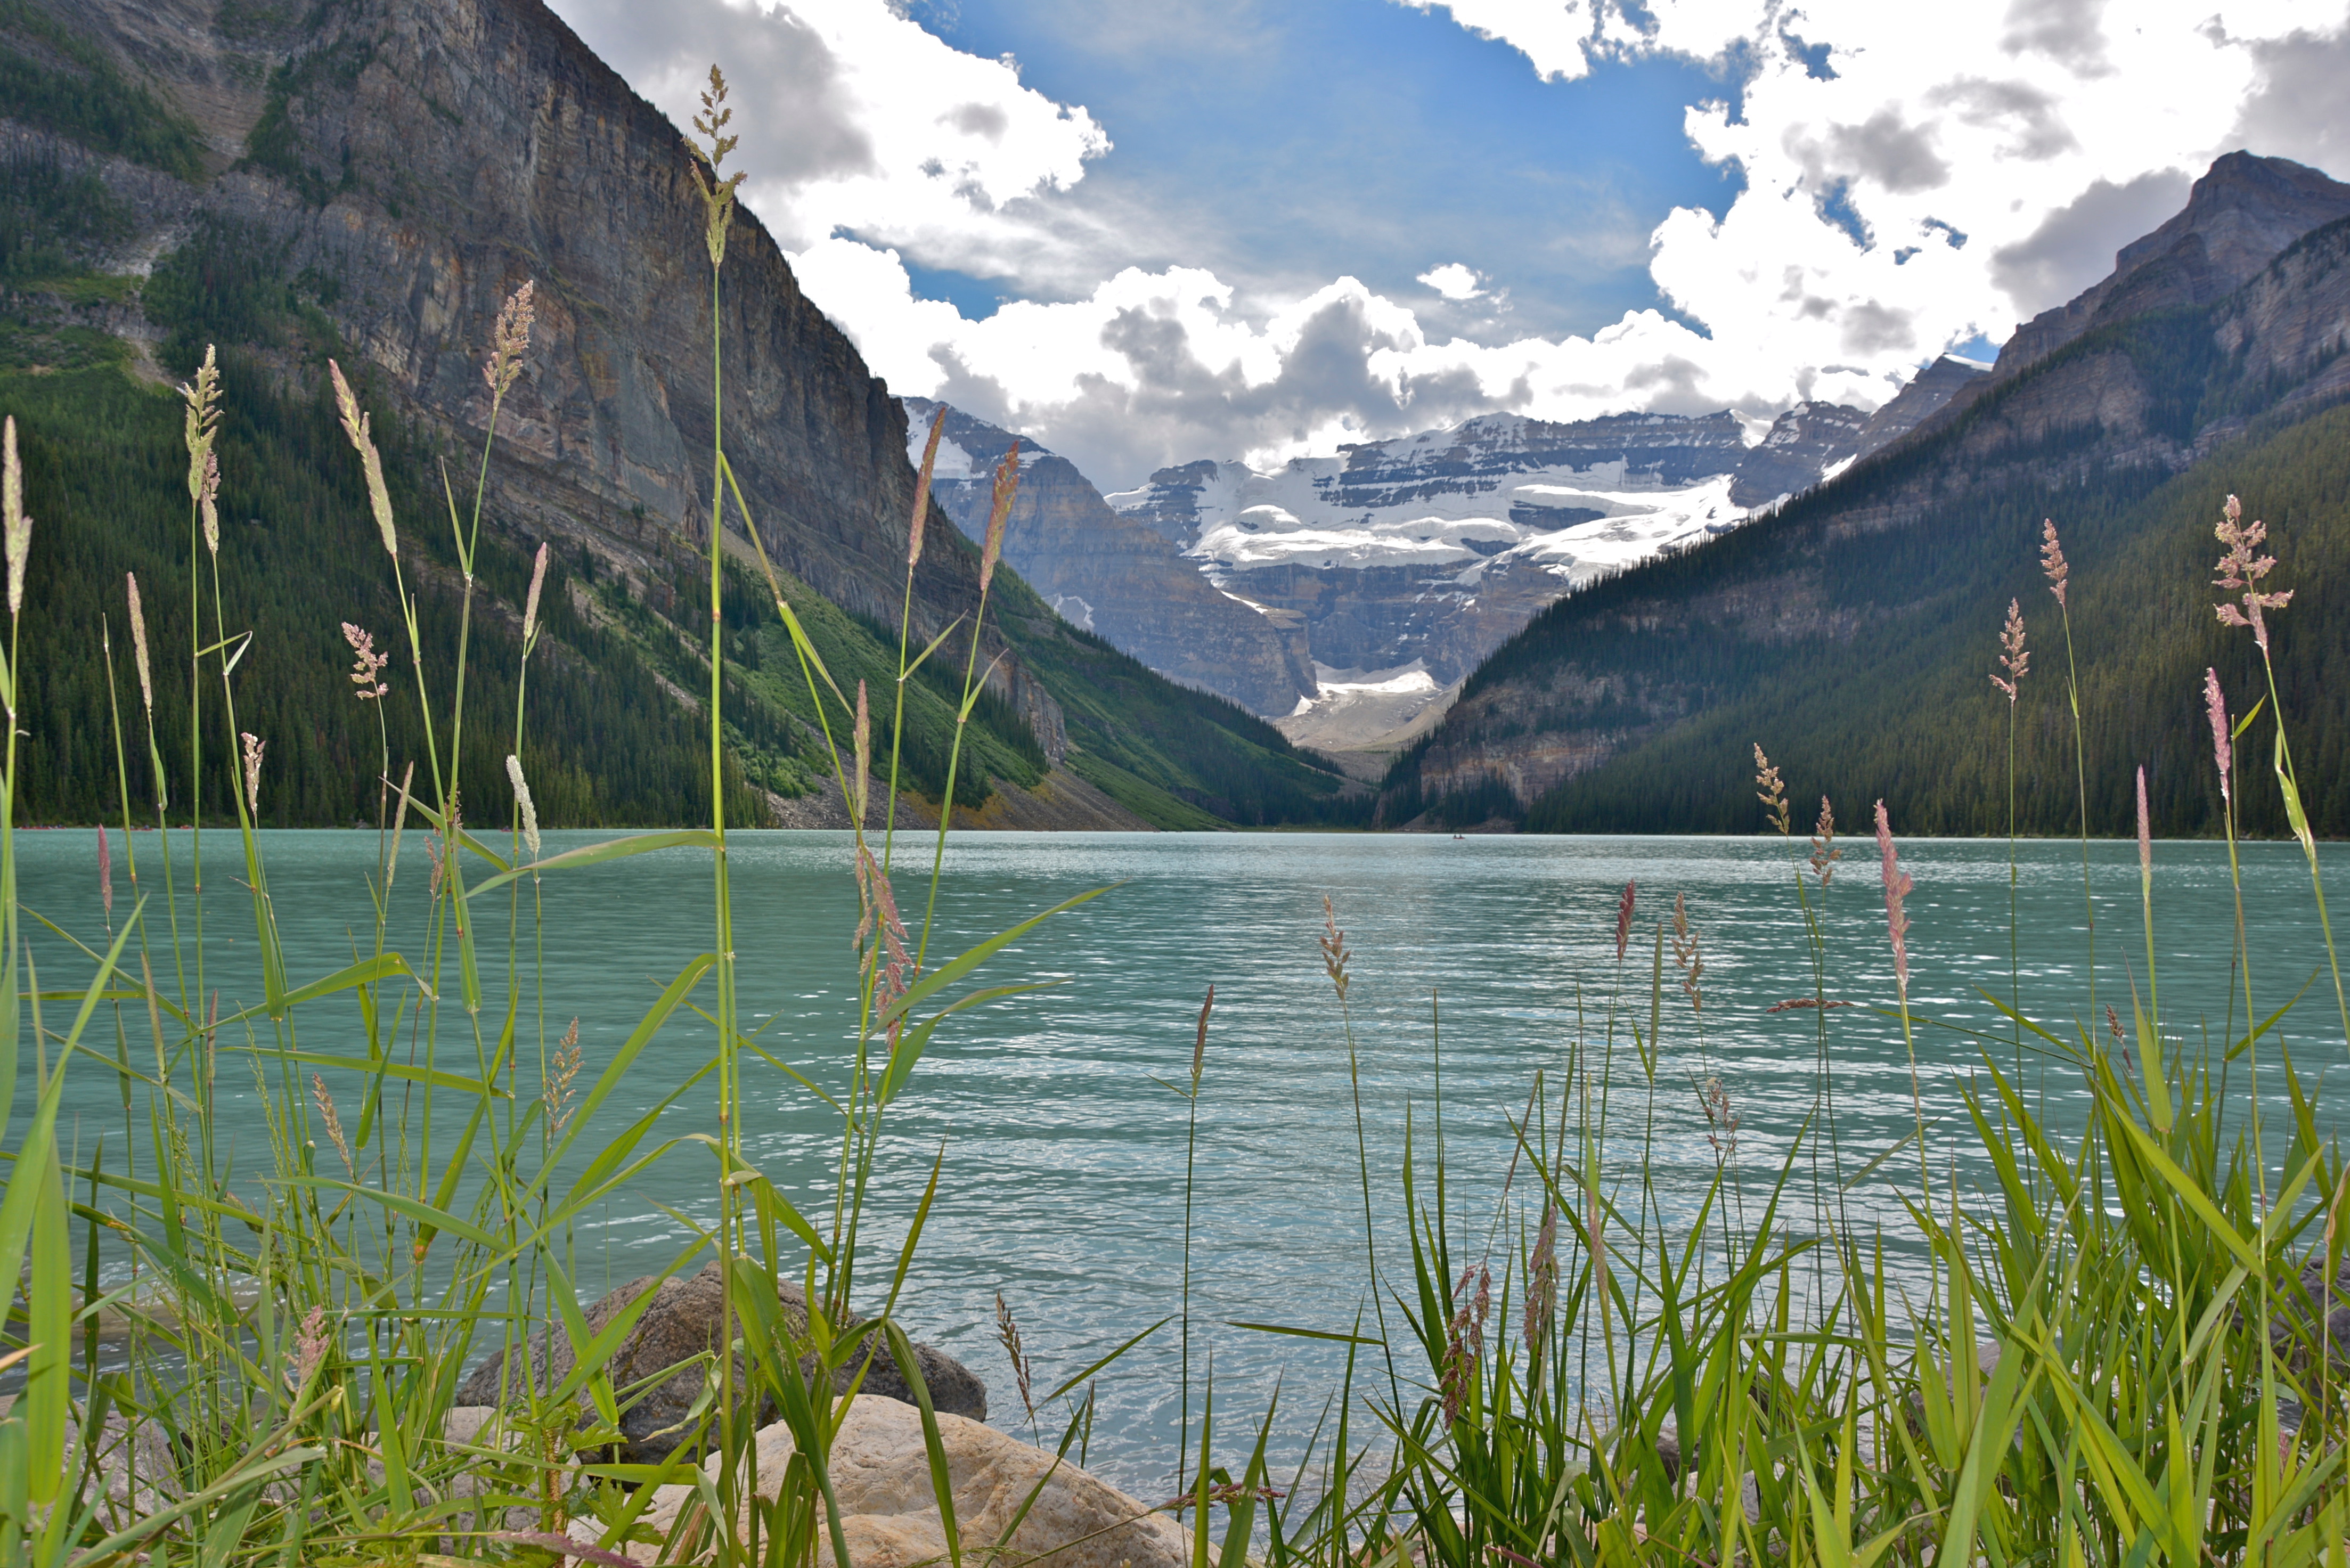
(1114, 575)
(2241, 215)
(1801, 446)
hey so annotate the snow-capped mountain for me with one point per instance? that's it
(1409, 560)
(1347, 596)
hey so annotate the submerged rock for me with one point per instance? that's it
(881, 1475)
(681, 1326)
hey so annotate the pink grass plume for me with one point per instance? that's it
(530, 602)
(2052, 560)
(1897, 886)
(138, 646)
(2012, 656)
(2145, 831)
(105, 876)
(253, 749)
(1771, 793)
(15, 528)
(1624, 920)
(922, 489)
(2223, 751)
(999, 513)
(2242, 567)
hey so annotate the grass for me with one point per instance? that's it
(2107, 1353)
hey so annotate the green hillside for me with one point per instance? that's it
(1902, 707)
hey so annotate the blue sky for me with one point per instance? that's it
(1332, 137)
(1150, 231)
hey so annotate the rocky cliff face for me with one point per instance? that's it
(1113, 574)
(424, 158)
(2154, 387)
(1806, 442)
(2238, 218)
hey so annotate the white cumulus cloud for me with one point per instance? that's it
(1453, 280)
(1910, 182)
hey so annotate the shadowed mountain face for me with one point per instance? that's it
(1827, 630)
(1112, 574)
(371, 178)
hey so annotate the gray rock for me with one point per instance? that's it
(681, 1326)
(2318, 1315)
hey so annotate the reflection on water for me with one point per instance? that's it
(1064, 1160)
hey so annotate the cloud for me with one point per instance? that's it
(856, 120)
(1900, 189)
(2298, 109)
(2074, 246)
(1453, 281)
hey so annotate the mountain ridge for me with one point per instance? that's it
(1556, 723)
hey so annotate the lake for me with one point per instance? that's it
(1064, 1160)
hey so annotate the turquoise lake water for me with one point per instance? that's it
(1063, 1185)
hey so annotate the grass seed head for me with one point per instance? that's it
(717, 193)
(1686, 953)
(367, 664)
(922, 489)
(999, 513)
(2012, 656)
(530, 601)
(510, 340)
(2242, 567)
(1541, 1283)
(252, 748)
(1897, 886)
(311, 1345)
(105, 876)
(1007, 1334)
(1333, 942)
(138, 646)
(2223, 750)
(528, 807)
(358, 427)
(15, 528)
(1200, 1041)
(325, 1100)
(1624, 920)
(556, 1091)
(1721, 1118)
(1824, 854)
(2145, 831)
(862, 737)
(208, 502)
(1465, 1338)
(1771, 792)
(2052, 560)
(202, 419)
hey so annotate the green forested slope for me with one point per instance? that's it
(605, 741)
(1904, 709)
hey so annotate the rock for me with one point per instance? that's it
(681, 1326)
(1112, 574)
(880, 1473)
(2319, 1315)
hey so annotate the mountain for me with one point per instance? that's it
(1403, 563)
(2238, 218)
(369, 179)
(1825, 631)
(1109, 574)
